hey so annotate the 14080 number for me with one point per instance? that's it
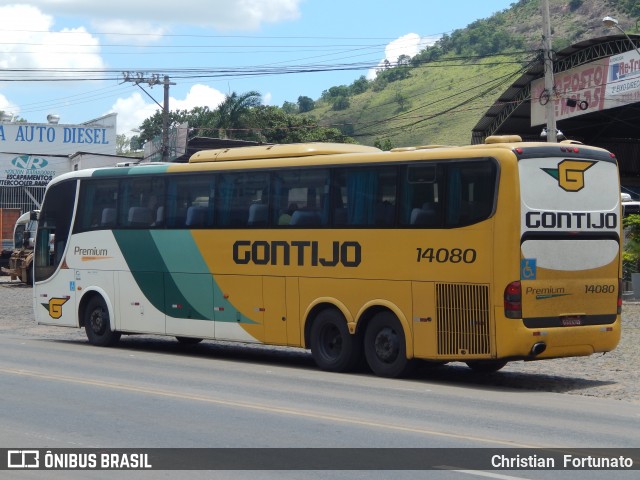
(445, 255)
(599, 289)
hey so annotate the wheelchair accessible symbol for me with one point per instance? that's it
(528, 269)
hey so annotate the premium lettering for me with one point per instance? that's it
(90, 251)
(301, 253)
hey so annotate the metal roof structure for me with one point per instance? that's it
(617, 129)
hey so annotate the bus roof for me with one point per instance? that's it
(316, 149)
(278, 151)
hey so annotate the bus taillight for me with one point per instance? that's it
(513, 300)
(619, 296)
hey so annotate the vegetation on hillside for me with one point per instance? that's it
(437, 96)
(242, 117)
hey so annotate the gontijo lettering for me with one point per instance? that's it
(582, 220)
(280, 252)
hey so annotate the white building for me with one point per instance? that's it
(31, 154)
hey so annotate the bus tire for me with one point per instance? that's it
(385, 347)
(486, 366)
(97, 323)
(332, 346)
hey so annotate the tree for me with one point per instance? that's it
(232, 110)
(152, 126)
(359, 86)
(404, 60)
(385, 144)
(277, 126)
(402, 101)
(290, 107)
(340, 103)
(122, 144)
(305, 104)
(335, 92)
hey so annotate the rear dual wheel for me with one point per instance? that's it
(332, 346)
(385, 346)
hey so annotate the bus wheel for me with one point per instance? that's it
(384, 346)
(332, 346)
(486, 366)
(188, 340)
(96, 323)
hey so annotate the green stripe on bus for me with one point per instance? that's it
(173, 276)
(123, 171)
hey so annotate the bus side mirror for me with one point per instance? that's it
(34, 215)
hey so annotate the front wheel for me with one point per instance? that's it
(332, 346)
(97, 323)
(385, 347)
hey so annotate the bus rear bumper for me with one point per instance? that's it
(534, 344)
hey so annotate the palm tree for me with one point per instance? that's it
(232, 110)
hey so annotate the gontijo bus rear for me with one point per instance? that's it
(481, 254)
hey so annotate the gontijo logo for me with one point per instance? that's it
(55, 306)
(570, 174)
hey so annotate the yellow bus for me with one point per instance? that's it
(480, 254)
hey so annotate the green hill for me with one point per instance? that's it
(438, 96)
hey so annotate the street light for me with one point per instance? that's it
(610, 22)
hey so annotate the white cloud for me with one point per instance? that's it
(218, 14)
(7, 106)
(133, 110)
(198, 96)
(28, 41)
(409, 44)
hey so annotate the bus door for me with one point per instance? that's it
(570, 241)
(55, 305)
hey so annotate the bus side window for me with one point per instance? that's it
(470, 192)
(421, 198)
(365, 196)
(97, 207)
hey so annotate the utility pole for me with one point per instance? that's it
(138, 78)
(165, 120)
(549, 86)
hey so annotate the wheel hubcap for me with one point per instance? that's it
(386, 345)
(97, 321)
(331, 342)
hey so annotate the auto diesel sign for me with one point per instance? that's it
(97, 136)
(56, 139)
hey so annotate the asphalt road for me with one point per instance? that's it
(56, 391)
(152, 393)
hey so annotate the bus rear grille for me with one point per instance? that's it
(463, 319)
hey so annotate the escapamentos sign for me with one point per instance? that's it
(30, 170)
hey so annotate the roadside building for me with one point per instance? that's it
(596, 100)
(31, 154)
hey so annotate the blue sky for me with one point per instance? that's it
(75, 52)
